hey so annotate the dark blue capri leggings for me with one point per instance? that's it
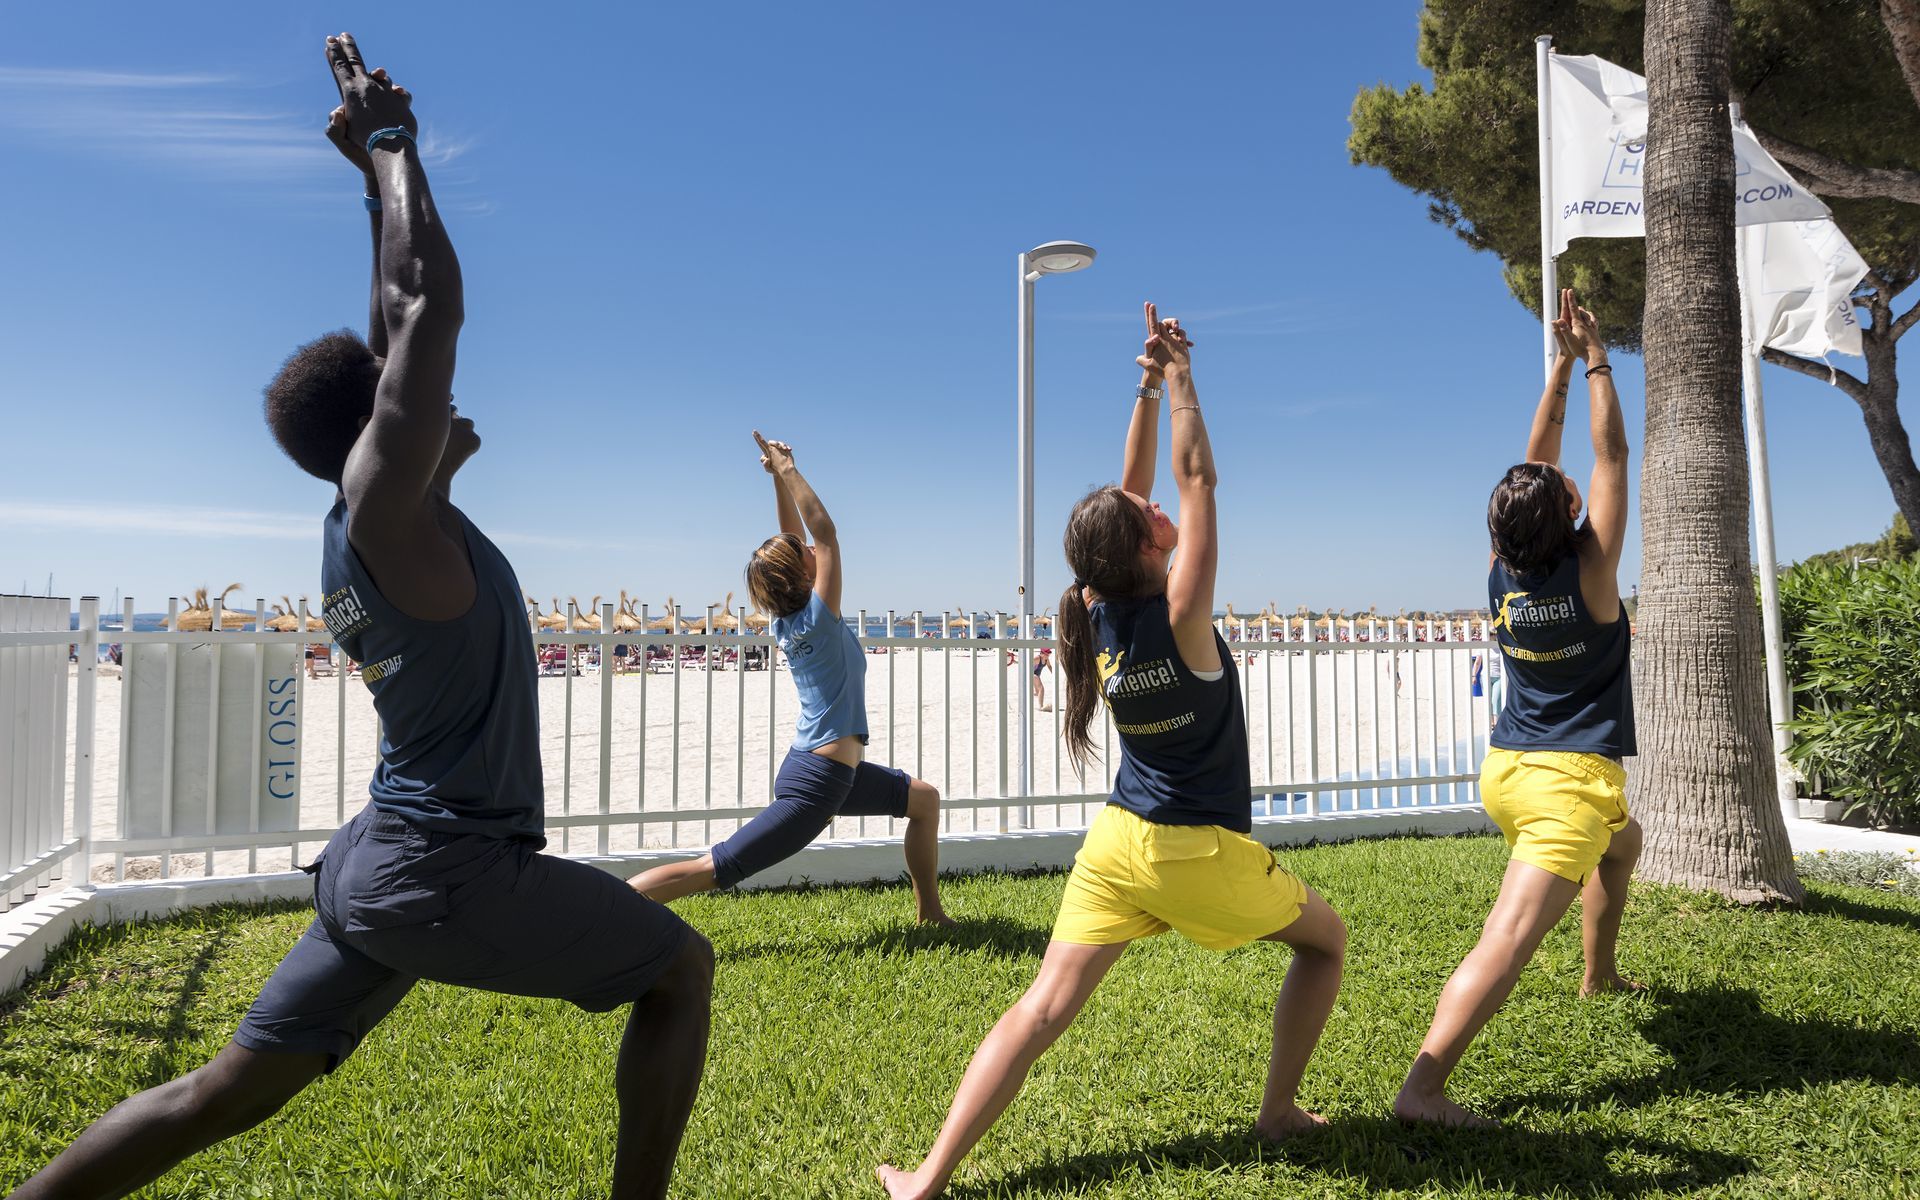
(810, 791)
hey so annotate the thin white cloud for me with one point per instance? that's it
(69, 78)
(438, 149)
(1187, 316)
(508, 537)
(1318, 404)
(209, 126)
(192, 521)
(173, 520)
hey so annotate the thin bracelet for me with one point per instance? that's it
(1607, 367)
(1183, 408)
(391, 131)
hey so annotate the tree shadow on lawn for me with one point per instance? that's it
(1855, 910)
(165, 1030)
(1384, 1153)
(996, 936)
(1723, 1040)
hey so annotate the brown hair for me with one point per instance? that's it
(1529, 521)
(777, 575)
(1103, 541)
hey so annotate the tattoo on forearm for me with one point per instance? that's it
(1558, 416)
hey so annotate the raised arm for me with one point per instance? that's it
(1607, 489)
(390, 475)
(782, 499)
(356, 153)
(813, 514)
(1143, 432)
(1195, 562)
(1550, 418)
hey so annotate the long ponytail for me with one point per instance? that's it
(1103, 544)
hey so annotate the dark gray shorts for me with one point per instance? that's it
(810, 791)
(396, 904)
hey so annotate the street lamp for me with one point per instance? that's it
(1052, 258)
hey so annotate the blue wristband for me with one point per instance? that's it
(372, 203)
(391, 131)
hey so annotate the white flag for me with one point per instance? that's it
(1599, 130)
(1799, 278)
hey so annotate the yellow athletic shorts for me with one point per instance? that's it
(1133, 879)
(1558, 809)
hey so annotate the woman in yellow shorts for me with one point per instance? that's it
(1170, 850)
(1553, 779)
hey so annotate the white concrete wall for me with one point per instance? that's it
(30, 933)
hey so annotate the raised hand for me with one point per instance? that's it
(1167, 347)
(354, 151)
(369, 100)
(774, 456)
(1577, 331)
(1563, 327)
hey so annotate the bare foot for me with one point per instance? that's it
(936, 917)
(904, 1185)
(1293, 1121)
(1438, 1110)
(1595, 985)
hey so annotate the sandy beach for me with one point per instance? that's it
(699, 739)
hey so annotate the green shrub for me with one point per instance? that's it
(1861, 868)
(1853, 653)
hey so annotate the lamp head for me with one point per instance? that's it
(1059, 258)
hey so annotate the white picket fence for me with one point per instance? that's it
(226, 759)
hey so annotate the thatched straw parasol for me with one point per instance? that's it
(758, 621)
(963, 621)
(288, 620)
(724, 621)
(197, 617)
(664, 623)
(625, 620)
(582, 623)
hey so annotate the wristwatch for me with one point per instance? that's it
(1143, 392)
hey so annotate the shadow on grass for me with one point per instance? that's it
(1722, 1040)
(1383, 1153)
(1855, 910)
(995, 936)
(163, 1031)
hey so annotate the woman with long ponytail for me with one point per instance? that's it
(1171, 849)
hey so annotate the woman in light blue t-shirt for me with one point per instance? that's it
(824, 775)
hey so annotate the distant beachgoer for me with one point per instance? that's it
(1171, 848)
(1477, 666)
(824, 775)
(1041, 662)
(1553, 780)
(439, 877)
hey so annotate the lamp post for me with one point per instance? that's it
(1052, 258)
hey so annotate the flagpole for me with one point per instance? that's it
(1549, 279)
(1779, 696)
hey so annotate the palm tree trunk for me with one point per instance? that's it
(1703, 785)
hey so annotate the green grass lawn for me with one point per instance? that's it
(1777, 1055)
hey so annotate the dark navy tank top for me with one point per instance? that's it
(458, 700)
(1569, 678)
(1183, 739)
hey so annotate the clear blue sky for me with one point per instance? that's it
(681, 222)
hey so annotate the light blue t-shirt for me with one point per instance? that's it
(829, 672)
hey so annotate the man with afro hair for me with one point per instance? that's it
(440, 876)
